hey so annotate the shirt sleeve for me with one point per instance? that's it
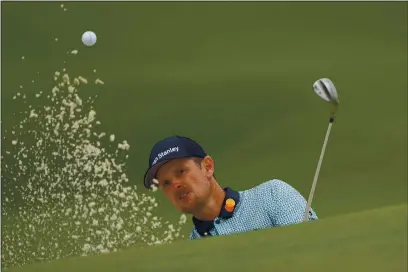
(287, 205)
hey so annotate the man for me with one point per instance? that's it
(180, 168)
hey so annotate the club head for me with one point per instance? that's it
(325, 88)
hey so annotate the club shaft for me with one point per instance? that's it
(316, 176)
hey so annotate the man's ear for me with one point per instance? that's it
(208, 165)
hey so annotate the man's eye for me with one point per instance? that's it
(181, 171)
(166, 182)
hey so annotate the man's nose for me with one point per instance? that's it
(176, 184)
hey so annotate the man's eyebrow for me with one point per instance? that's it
(177, 168)
(183, 164)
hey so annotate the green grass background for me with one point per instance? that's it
(237, 77)
(375, 241)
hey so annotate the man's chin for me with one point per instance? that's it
(189, 205)
(187, 209)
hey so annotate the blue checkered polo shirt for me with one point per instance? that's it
(270, 204)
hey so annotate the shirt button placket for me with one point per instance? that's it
(216, 221)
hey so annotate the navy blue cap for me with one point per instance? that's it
(171, 148)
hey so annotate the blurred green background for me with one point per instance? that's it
(237, 77)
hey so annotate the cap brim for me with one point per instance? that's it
(151, 173)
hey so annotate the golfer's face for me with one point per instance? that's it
(184, 183)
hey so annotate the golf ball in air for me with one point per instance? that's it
(89, 38)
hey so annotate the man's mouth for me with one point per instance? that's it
(183, 195)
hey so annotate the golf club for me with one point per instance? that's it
(326, 90)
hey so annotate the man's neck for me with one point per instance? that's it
(213, 206)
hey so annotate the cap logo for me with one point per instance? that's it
(164, 153)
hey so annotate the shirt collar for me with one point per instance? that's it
(203, 227)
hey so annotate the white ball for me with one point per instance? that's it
(89, 38)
